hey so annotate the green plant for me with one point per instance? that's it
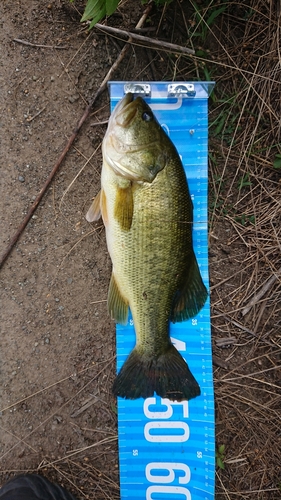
(203, 18)
(204, 22)
(95, 10)
(114, 408)
(219, 181)
(225, 122)
(219, 204)
(244, 219)
(220, 456)
(277, 161)
(244, 182)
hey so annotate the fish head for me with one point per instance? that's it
(134, 144)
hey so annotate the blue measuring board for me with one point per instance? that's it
(167, 448)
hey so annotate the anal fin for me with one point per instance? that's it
(191, 297)
(117, 306)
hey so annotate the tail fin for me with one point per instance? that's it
(168, 375)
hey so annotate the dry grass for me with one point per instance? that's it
(245, 244)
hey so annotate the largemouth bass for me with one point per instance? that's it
(147, 212)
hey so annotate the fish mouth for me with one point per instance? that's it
(120, 147)
(123, 114)
(125, 111)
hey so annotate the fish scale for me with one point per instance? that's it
(148, 274)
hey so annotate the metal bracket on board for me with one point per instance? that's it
(138, 88)
(182, 89)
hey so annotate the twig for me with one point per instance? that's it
(242, 327)
(96, 124)
(144, 30)
(72, 138)
(40, 391)
(268, 284)
(24, 42)
(226, 342)
(213, 287)
(81, 450)
(90, 401)
(151, 41)
(219, 362)
(30, 118)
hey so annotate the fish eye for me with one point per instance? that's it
(147, 117)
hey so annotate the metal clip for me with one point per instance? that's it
(137, 88)
(181, 89)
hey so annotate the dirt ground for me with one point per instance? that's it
(57, 364)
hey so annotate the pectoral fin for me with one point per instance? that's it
(103, 207)
(192, 297)
(98, 208)
(94, 212)
(117, 306)
(124, 207)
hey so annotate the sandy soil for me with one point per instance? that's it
(57, 341)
